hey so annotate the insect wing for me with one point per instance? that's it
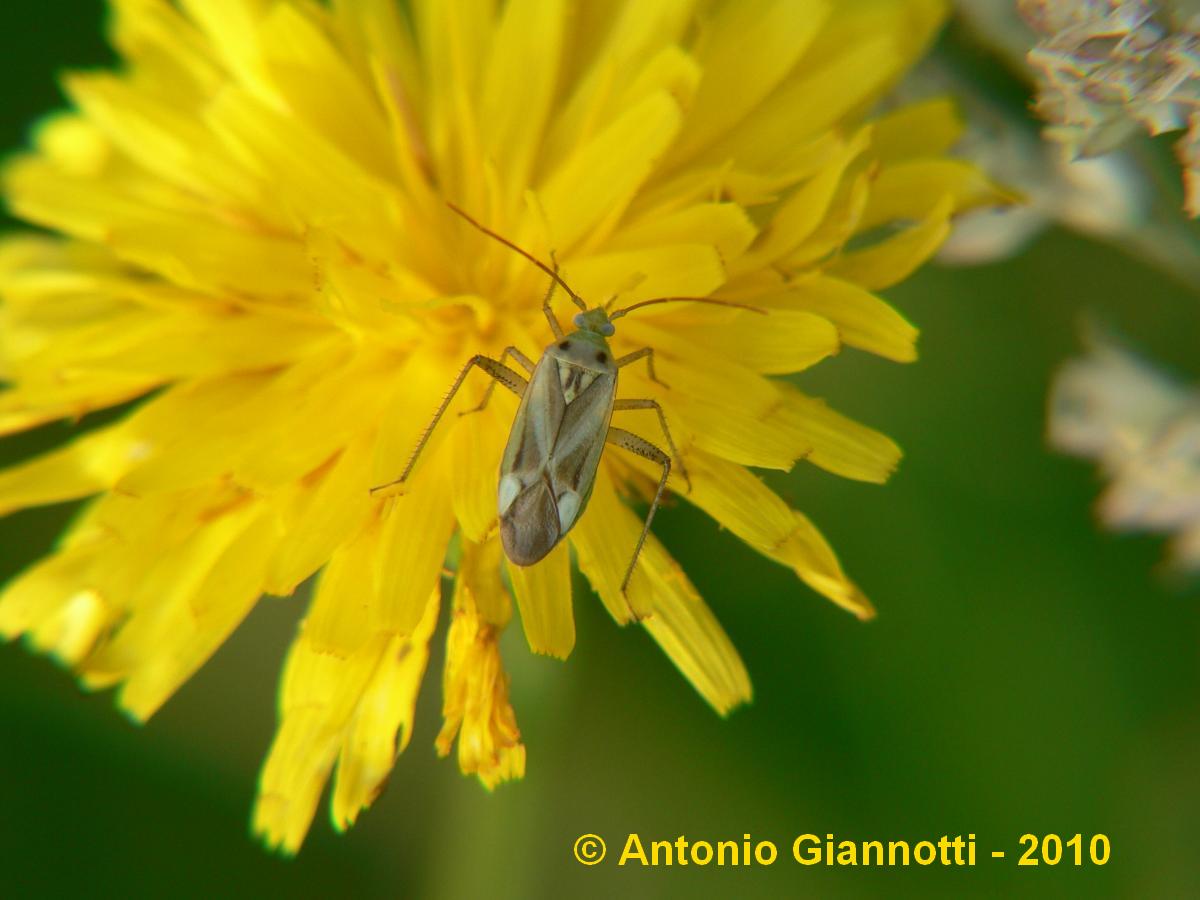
(529, 526)
(580, 443)
(550, 460)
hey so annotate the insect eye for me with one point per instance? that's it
(565, 345)
(601, 357)
(608, 329)
(578, 320)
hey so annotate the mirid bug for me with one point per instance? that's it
(557, 438)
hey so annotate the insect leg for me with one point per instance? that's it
(634, 444)
(546, 310)
(648, 353)
(497, 370)
(662, 420)
(526, 363)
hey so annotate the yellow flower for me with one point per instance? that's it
(254, 240)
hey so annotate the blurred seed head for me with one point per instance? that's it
(1143, 427)
(1108, 69)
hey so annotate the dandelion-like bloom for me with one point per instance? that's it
(254, 239)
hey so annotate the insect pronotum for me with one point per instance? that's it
(558, 435)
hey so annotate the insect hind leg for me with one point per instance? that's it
(634, 444)
(499, 372)
(662, 420)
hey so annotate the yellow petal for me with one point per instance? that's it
(476, 445)
(839, 444)
(728, 177)
(587, 194)
(928, 128)
(413, 545)
(74, 144)
(74, 628)
(295, 436)
(863, 320)
(479, 576)
(54, 604)
(612, 41)
(712, 403)
(543, 593)
(604, 540)
(744, 505)
(423, 374)
(476, 707)
(770, 138)
(910, 25)
(798, 216)
(382, 722)
(125, 340)
(338, 622)
(316, 179)
(165, 139)
(189, 248)
(691, 373)
(892, 260)
(329, 672)
(85, 466)
(671, 69)
(840, 224)
(232, 29)
(165, 48)
(347, 690)
(775, 344)
(319, 695)
(746, 51)
(104, 559)
(681, 270)
(724, 226)
(518, 87)
(690, 635)
(454, 39)
(382, 41)
(194, 604)
(320, 516)
(312, 76)
(170, 454)
(906, 191)
(28, 406)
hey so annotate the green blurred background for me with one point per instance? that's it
(1027, 673)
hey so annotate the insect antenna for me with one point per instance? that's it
(633, 282)
(617, 313)
(529, 256)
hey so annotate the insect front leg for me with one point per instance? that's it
(526, 363)
(648, 354)
(662, 420)
(499, 372)
(634, 444)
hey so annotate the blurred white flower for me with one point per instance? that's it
(1143, 427)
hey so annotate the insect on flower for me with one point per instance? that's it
(561, 427)
(244, 255)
